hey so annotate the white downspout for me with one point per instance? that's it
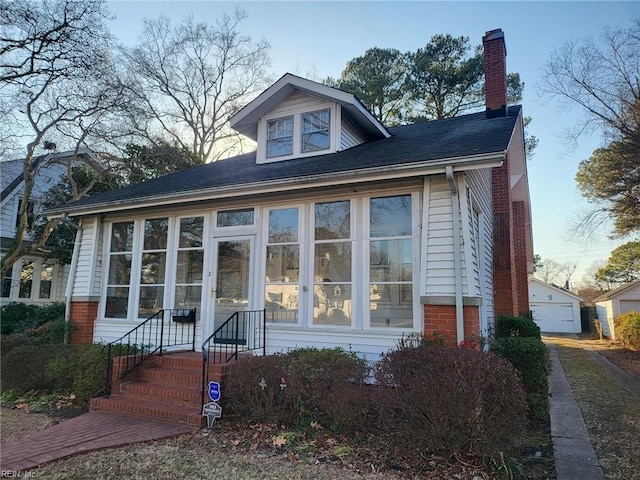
(71, 280)
(457, 261)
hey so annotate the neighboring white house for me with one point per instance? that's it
(554, 309)
(343, 231)
(625, 298)
(33, 279)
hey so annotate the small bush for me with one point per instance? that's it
(531, 358)
(516, 327)
(628, 329)
(24, 318)
(448, 400)
(23, 368)
(302, 386)
(9, 342)
(80, 370)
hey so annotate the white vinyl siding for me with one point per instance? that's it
(349, 135)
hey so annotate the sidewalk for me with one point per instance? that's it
(86, 433)
(573, 452)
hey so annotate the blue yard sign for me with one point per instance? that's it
(214, 391)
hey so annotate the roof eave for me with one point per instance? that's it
(361, 175)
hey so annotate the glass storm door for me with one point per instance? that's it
(232, 290)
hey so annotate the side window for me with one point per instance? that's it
(26, 279)
(46, 280)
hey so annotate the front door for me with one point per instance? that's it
(232, 289)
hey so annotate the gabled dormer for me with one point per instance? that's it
(296, 118)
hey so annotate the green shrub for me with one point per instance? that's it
(531, 358)
(303, 386)
(439, 400)
(628, 329)
(9, 342)
(23, 368)
(80, 370)
(24, 318)
(509, 326)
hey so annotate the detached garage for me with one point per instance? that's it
(625, 298)
(554, 309)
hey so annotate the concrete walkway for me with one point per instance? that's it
(572, 449)
(83, 434)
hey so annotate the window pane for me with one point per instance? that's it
(150, 300)
(390, 216)
(26, 280)
(46, 278)
(316, 121)
(152, 270)
(5, 288)
(283, 225)
(119, 269)
(117, 302)
(189, 266)
(122, 237)
(332, 304)
(333, 262)
(188, 296)
(281, 303)
(155, 234)
(283, 263)
(315, 141)
(191, 232)
(280, 137)
(391, 306)
(332, 220)
(390, 260)
(235, 218)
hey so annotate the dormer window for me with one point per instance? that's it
(315, 131)
(280, 137)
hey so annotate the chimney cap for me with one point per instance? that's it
(492, 35)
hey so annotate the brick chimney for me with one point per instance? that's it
(495, 73)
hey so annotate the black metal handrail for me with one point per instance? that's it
(243, 331)
(166, 328)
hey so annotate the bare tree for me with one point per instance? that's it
(192, 77)
(553, 272)
(57, 86)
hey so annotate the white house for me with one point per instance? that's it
(554, 309)
(33, 278)
(625, 298)
(343, 231)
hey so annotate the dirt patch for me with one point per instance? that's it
(16, 424)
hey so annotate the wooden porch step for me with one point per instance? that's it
(144, 408)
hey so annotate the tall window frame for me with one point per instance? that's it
(280, 137)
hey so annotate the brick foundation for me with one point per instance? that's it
(83, 316)
(440, 320)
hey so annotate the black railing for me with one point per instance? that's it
(164, 329)
(241, 332)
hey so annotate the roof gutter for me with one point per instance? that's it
(360, 175)
(457, 260)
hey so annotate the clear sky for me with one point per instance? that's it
(316, 39)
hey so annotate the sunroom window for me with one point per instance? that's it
(152, 267)
(188, 288)
(280, 137)
(332, 264)
(315, 131)
(390, 262)
(282, 282)
(120, 257)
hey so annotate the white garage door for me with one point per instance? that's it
(554, 317)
